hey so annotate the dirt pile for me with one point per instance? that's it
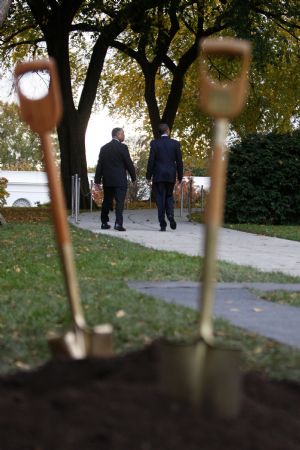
(116, 404)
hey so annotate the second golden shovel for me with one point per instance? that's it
(200, 372)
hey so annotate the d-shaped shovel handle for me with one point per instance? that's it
(224, 99)
(42, 115)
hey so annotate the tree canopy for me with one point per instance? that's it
(20, 149)
(156, 76)
(164, 40)
(77, 34)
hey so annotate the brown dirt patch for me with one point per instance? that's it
(25, 215)
(116, 404)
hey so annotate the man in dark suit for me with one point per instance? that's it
(114, 160)
(165, 160)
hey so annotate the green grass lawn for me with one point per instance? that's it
(280, 296)
(33, 299)
(291, 232)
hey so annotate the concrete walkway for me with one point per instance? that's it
(235, 303)
(262, 252)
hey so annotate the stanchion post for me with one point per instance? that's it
(181, 200)
(201, 193)
(190, 198)
(91, 196)
(76, 197)
(78, 200)
(73, 198)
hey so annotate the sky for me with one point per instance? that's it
(99, 133)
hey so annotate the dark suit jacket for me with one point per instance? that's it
(165, 160)
(114, 160)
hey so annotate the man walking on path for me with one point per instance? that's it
(165, 160)
(114, 160)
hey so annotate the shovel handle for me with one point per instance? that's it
(224, 99)
(227, 46)
(213, 218)
(42, 116)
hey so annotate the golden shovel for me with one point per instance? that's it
(42, 115)
(200, 372)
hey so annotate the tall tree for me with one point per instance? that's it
(164, 44)
(19, 146)
(49, 26)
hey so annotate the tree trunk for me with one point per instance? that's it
(71, 130)
(173, 100)
(151, 101)
(71, 135)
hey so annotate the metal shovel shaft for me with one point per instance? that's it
(62, 231)
(42, 115)
(213, 219)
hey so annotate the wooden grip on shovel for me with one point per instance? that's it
(42, 115)
(224, 99)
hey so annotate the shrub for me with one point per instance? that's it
(3, 192)
(264, 180)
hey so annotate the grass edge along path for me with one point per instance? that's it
(33, 298)
(289, 232)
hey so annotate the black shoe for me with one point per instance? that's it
(173, 224)
(162, 229)
(119, 228)
(105, 226)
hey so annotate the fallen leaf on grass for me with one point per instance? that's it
(258, 309)
(22, 365)
(220, 333)
(258, 350)
(120, 313)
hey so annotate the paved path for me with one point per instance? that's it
(234, 302)
(264, 253)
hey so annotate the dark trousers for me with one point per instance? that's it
(164, 201)
(110, 193)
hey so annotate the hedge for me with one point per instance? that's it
(263, 184)
(3, 192)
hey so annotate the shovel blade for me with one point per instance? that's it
(205, 376)
(100, 341)
(222, 387)
(181, 370)
(68, 345)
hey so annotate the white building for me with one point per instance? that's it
(31, 188)
(26, 188)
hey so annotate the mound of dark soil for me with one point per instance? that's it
(116, 404)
